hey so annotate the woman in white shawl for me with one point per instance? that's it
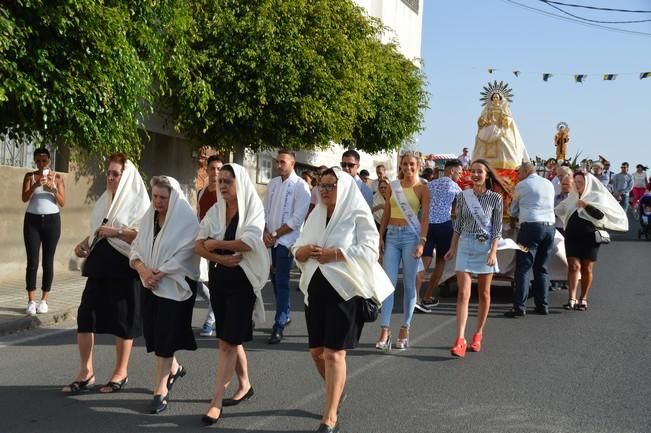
(230, 237)
(588, 207)
(110, 302)
(337, 253)
(163, 255)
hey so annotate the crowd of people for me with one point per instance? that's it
(145, 259)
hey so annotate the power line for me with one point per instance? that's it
(549, 3)
(595, 7)
(573, 20)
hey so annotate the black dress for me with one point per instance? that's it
(579, 236)
(331, 321)
(231, 296)
(167, 323)
(110, 303)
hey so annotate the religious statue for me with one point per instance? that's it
(498, 140)
(560, 139)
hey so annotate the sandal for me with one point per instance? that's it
(114, 386)
(571, 304)
(385, 344)
(171, 380)
(79, 386)
(582, 305)
(402, 343)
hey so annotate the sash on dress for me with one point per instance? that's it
(408, 213)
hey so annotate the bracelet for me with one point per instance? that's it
(336, 256)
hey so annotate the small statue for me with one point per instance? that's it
(560, 139)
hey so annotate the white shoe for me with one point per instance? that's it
(31, 308)
(42, 307)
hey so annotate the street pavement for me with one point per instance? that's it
(566, 372)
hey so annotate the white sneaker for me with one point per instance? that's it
(31, 308)
(42, 307)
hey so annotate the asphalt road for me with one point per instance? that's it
(566, 372)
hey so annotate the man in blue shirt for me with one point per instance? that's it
(622, 186)
(350, 164)
(533, 205)
(439, 234)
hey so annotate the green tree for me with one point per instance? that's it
(81, 73)
(397, 97)
(272, 73)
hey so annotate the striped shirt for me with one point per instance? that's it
(466, 224)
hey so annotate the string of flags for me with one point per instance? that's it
(578, 78)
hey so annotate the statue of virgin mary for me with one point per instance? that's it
(498, 140)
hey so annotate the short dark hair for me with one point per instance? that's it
(214, 158)
(427, 171)
(41, 151)
(364, 172)
(380, 166)
(287, 152)
(228, 168)
(452, 163)
(351, 152)
(329, 171)
(625, 163)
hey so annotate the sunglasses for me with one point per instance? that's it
(328, 187)
(347, 164)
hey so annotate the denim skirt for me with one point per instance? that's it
(472, 254)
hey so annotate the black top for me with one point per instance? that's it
(104, 261)
(229, 235)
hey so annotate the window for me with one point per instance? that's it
(16, 153)
(265, 167)
(411, 4)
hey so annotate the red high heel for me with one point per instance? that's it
(459, 348)
(475, 346)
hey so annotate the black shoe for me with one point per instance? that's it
(288, 322)
(208, 420)
(515, 314)
(159, 403)
(541, 311)
(323, 428)
(236, 401)
(171, 380)
(276, 336)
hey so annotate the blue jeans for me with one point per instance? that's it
(623, 201)
(399, 245)
(281, 262)
(539, 238)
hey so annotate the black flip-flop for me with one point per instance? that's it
(171, 380)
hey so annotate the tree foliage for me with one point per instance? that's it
(235, 74)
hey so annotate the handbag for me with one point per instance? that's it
(369, 310)
(601, 236)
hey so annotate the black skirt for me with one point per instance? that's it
(331, 321)
(232, 299)
(580, 240)
(167, 324)
(111, 306)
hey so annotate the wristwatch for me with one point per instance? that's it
(120, 233)
(274, 234)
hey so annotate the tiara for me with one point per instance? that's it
(500, 88)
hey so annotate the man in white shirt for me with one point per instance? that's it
(350, 164)
(381, 172)
(465, 159)
(285, 204)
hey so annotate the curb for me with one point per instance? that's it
(34, 322)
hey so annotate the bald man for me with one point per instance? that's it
(533, 205)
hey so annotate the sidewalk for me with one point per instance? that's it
(63, 301)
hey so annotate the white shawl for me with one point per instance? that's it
(250, 227)
(597, 195)
(124, 210)
(172, 252)
(351, 229)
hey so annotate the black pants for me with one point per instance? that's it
(37, 230)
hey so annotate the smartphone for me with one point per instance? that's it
(46, 171)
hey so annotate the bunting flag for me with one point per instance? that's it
(546, 77)
(490, 70)
(516, 73)
(610, 77)
(645, 75)
(579, 78)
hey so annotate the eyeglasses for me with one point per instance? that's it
(328, 187)
(347, 164)
(113, 173)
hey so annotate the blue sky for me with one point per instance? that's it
(462, 38)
